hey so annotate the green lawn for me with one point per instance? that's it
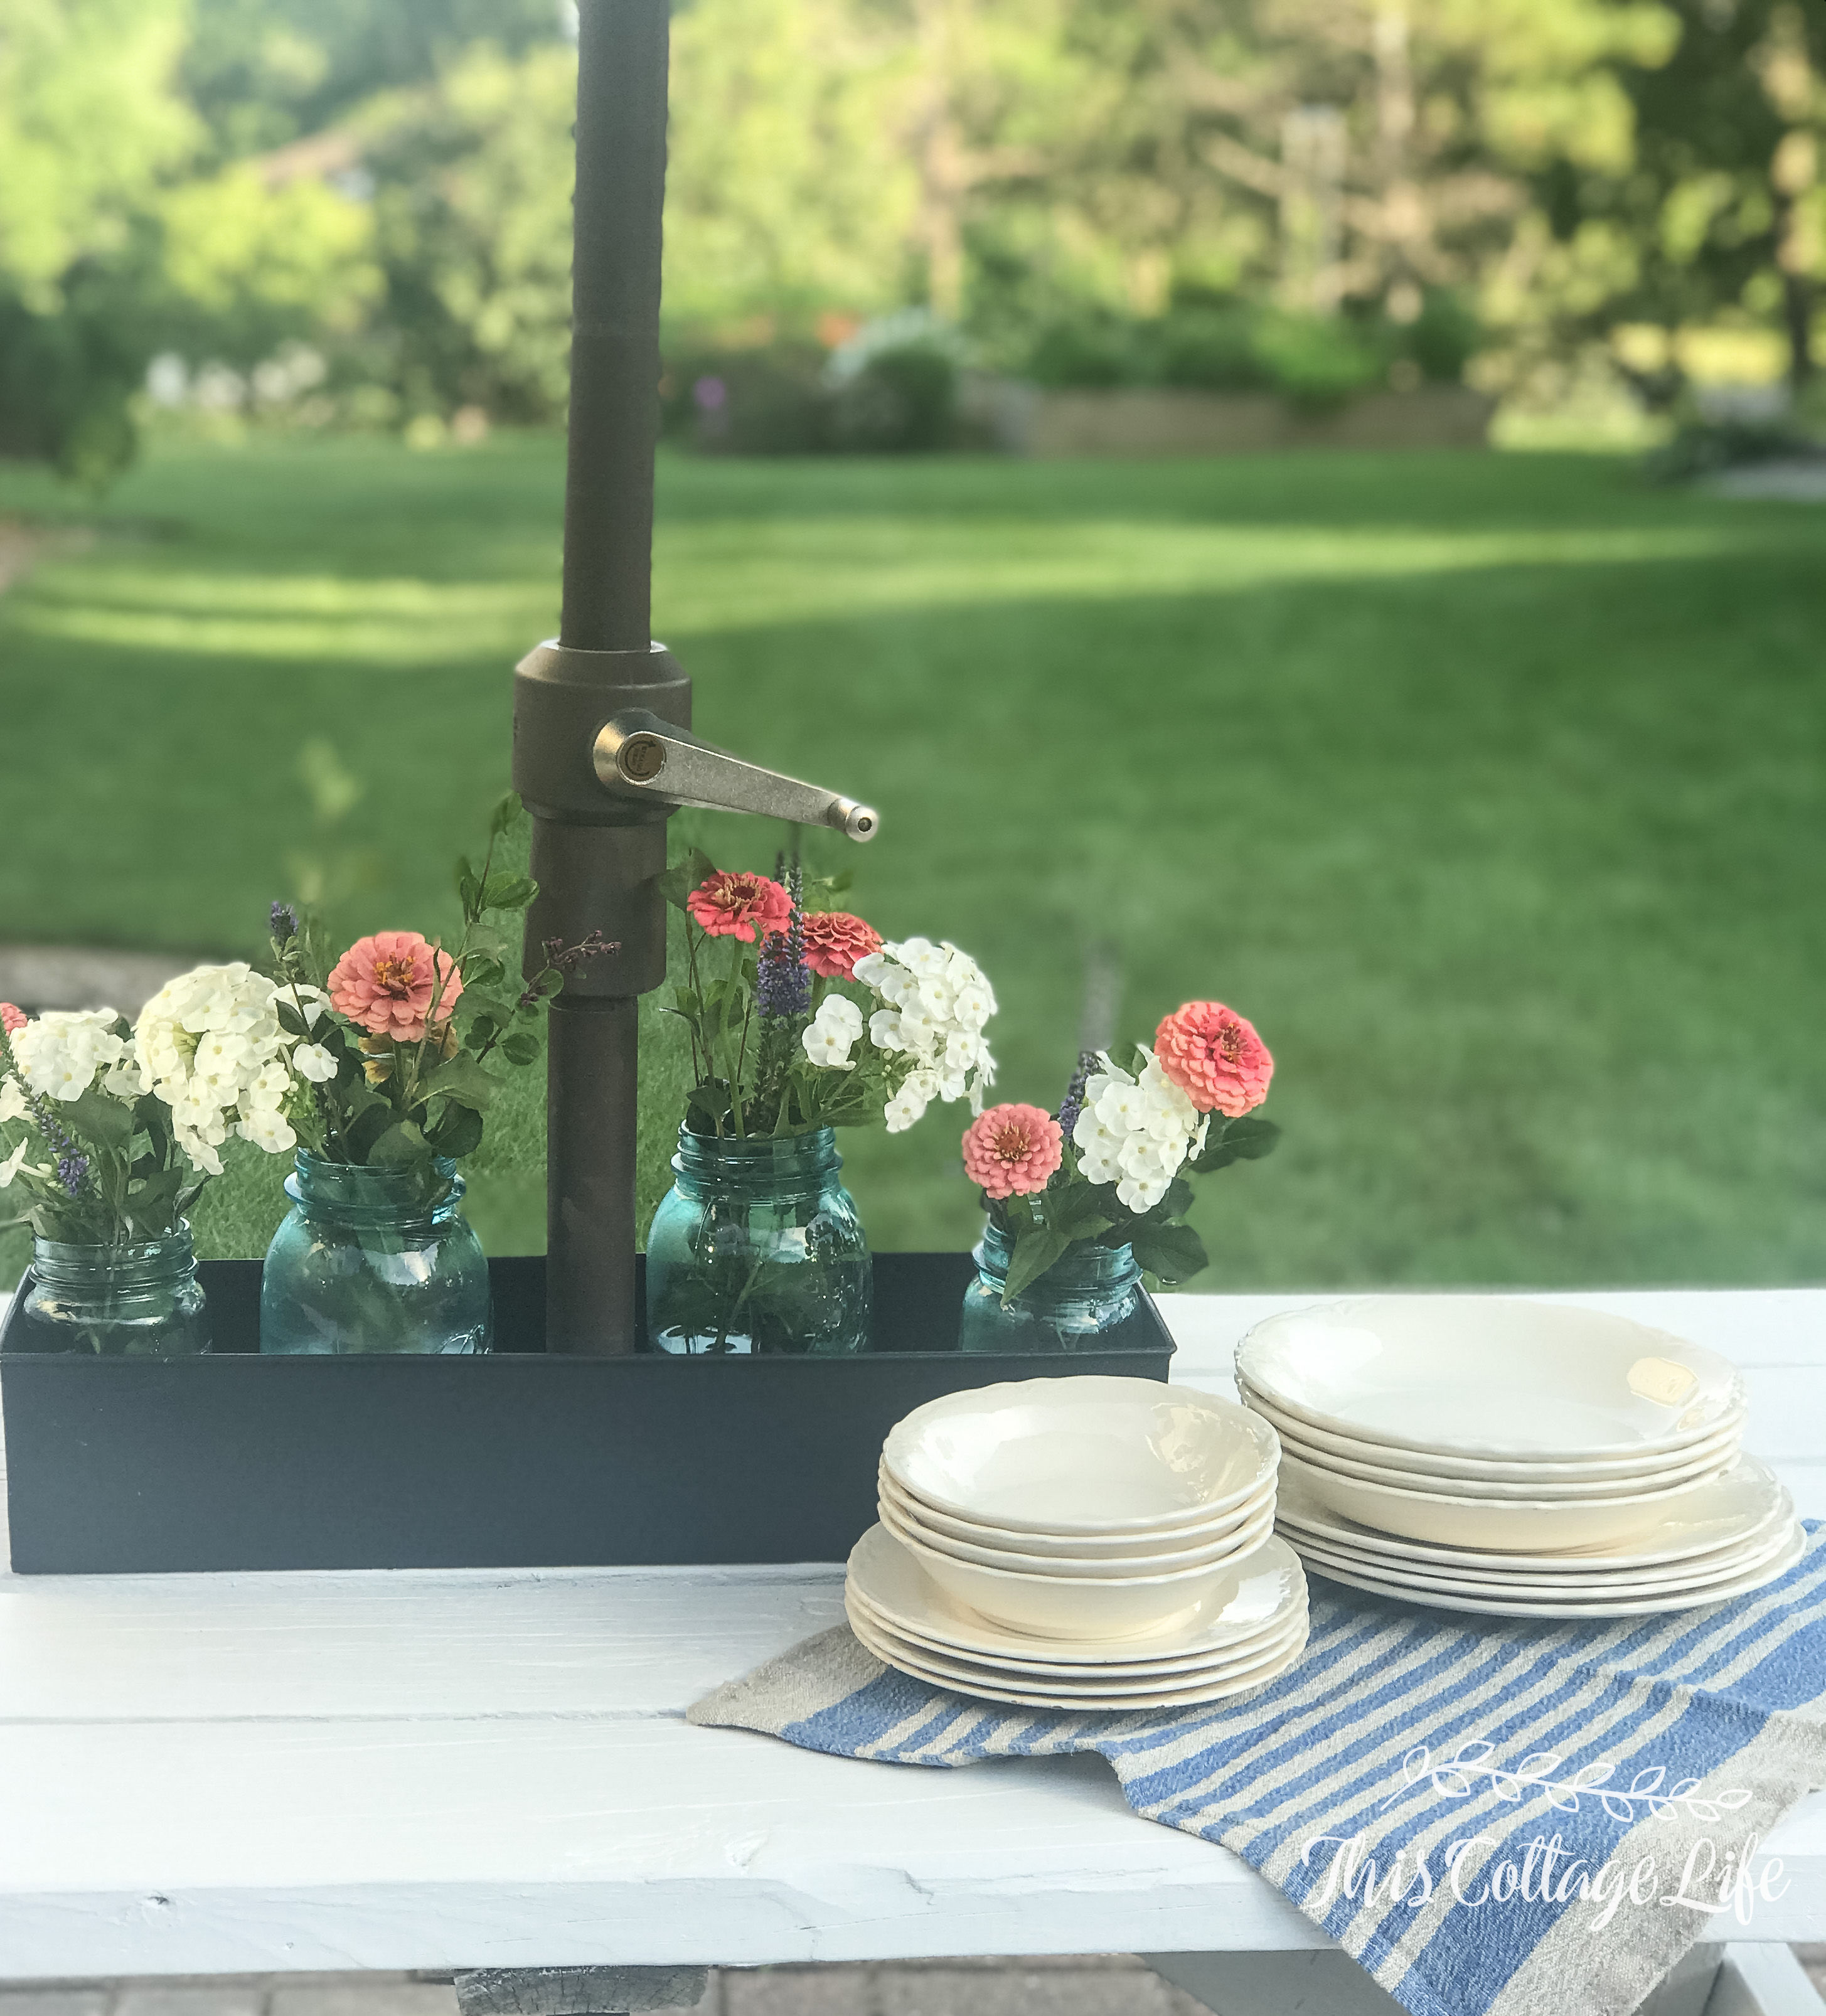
(1490, 787)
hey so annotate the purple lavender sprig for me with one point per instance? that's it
(1073, 1103)
(783, 982)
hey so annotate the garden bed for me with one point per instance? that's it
(1161, 420)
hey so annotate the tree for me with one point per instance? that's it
(1722, 206)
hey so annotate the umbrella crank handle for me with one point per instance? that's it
(643, 755)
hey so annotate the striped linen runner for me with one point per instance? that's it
(1486, 1814)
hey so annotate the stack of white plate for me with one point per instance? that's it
(1088, 1543)
(1514, 1457)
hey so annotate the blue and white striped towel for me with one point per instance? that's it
(1487, 1815)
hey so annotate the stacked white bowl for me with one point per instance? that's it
(1088, 1543)
(1522, 1458)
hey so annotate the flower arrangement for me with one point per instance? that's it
(394, 1038)
(111, 1131)
(813, 1020)
(1113, 1164)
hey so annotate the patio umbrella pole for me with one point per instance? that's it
(595, 855)
(603, 749)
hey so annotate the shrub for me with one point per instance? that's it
(903, 402)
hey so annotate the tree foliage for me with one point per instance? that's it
(390, 185)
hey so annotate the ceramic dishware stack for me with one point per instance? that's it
(1092, 1543)
(1522, 1459)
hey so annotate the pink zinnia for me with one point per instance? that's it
(732, 906)
(12, 1018)
(834, 941)
(1011, 1151)
(385, 985)
(1214, 1057)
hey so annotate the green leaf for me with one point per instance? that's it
(460, 1077)
(103, 1121)
(403, 1142)
(520, 1047)
(508, 892)
(684, 875)
(1035, 1250)
(360, 1136)
(482, 969)
(1244, 1140)
(505, 816)
(289, 1020)
(458, 1133)
(1172, 1252)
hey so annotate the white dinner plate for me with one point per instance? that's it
(1714, 1459)
(1081, 1455)
(1489, 1606)
(1480, 1473)
(1484, 1376)
(1117, 1703)
(1744, 1502)
(1243, 1539)
(1169, 1672)
(1516, 1525)
(1675, 1579)
(1256, 1592)
(1075, 1546)
(1074, 1682)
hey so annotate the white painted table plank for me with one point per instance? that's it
(217, 1773)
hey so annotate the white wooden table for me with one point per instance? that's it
(265, 1773)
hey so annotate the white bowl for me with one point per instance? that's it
(1258, 1594)
(1477, 1472)
(1082, 1455)
(1074, 1546)
(1045, 1606)
(1713, 1462)
(905, 1526)
(1045, 1694)
(1479, 1376)
(1513, 1525)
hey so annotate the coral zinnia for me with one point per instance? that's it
(12, 1018)
(385, 984)
(731, 905)
(834, 941)
(1011, 1151)
(1214, 1057)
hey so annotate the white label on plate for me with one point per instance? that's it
(1662, 1380)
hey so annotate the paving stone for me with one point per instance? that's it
(1018, 1989)
(72, 1999)
(246, 1998)
(843, 1989)
(400, 1997)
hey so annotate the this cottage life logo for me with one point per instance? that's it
(1719, 1873)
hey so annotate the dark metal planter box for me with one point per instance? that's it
(516, 1460)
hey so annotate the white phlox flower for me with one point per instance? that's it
(60, 1053)
(833, 1032)
(313, 1061)
(1136, 1132)
(934, 1003)
(209, 1044)
(9, 1168)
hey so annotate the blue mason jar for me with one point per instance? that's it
(1088, 1299)
(136, 1300)
(757, 1247)
(374, 1258)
